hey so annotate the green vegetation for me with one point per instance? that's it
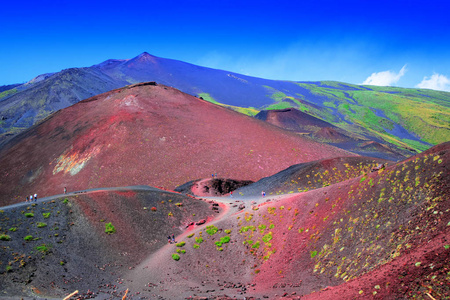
(211, 230)
(378, 109)
(175, 256)
(13, 229)
(109, 228)
(199, 240)
(65, 201)
(256, 245)
(41, 224)
(268, 237)
(46, 215)
(196, 246)
(180, 244)
(5, 237)
(28, 238)
(29, 215)
(207, 97)
(8, 93)
(223, 240)
(313, 254)
(191, 235)
(43, 248)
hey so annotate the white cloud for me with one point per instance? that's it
(435, 82)
(385, 78)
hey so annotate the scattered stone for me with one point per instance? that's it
(202, 221)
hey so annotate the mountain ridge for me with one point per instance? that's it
(384, 114)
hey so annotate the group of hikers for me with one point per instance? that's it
(31, 198)
(171, 238)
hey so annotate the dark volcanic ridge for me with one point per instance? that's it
(211, 187)
(324, 132)
(380, 233)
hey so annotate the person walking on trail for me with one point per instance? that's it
(35, 197)
(173, 238)
(169, 239)
(31, 198)
(65, 190)
(263, 193)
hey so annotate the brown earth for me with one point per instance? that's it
(146, 134)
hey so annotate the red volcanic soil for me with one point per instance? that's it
(382, 235)
(78, 253)
(146, 134)
(373, 235)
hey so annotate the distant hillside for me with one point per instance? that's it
(146, 134)
(412, 119)
(324, 132)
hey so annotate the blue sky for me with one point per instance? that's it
(399, 43)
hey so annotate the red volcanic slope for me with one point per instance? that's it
(146, 134)
(385, 233)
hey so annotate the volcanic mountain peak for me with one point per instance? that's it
(39, 78)
(144, 58)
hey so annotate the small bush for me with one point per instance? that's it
(180, 244)
(191, 235)
(175, 256)
(13, 229)
(41, 224)
(8, 268)
(181, 251)
(256, 245)
(313, 253)
(43, 248)
(225, 239)
(227, 231)
(109, 228)
(29, 215)
(199, 240)
(28, 238)
(5, 237)
(46, 215)
(65, 201)
(211, 230)
(196, 246)
(267, 237)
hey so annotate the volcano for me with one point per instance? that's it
(146, 134)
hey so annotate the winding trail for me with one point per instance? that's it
(156, 275)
